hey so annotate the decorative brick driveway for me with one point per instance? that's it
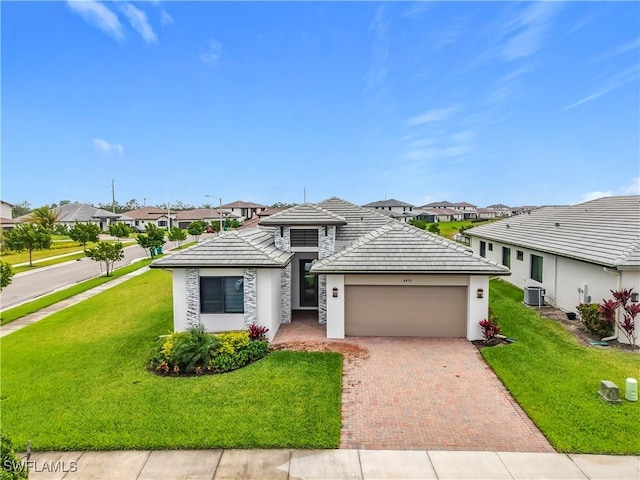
(424, 394)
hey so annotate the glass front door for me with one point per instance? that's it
(308, 285)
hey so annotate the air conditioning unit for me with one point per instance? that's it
(534, 296)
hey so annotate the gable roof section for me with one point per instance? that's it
(146, 213)
(305, 214)
(80, 212)
(240, 248)
(392, 202)
(241, 204)
(401, 248)
(605, 231)
(360, 220)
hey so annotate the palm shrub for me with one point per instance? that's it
(194, 350)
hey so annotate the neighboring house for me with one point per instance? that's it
(499, 209)
(488, 213)
(160, 217)
(393, 208)
(576, 253)
(365, 275)
(243, 210)
(6, 215)
(71, 213)
(456, 211)
(209, 215)
(255, 220)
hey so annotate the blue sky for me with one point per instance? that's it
(515, 103)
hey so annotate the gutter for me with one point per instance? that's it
(616, 332)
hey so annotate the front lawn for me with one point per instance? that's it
(556, 380)
(77, 380)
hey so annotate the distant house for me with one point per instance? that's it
(243, 210)
(71, 213)
(393, 208)
(209, 215)
(486, 213)
(255, 220)
(160, 217)
(362, 272)
(499, 209)
(577, 253)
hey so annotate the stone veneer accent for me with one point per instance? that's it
(193, 297)
(326, 248)
(283, 242)
(250, 296)
(285, 294)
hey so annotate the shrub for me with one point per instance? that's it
(629, 313)
(257, 349)
(257, 332)
(489, 330)
(434, 228)
(593, 321)
(194, 349)
(231, 342)
(12, 467)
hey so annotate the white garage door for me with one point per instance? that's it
(405, 311)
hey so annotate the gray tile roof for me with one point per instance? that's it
(392, 202)
(360, 220)
(80, 212)
(400, 248)
(605, 231)
(242, 204)
(240, 248)
(305, 214)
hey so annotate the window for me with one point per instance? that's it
(305, 237)
(221, 295)
(520, 255)
(162, 223)
(491, 247)
(506, 257)
(483, 249)
(536, 268)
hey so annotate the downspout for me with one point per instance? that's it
(616, 332)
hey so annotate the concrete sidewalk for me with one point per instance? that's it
(327, 464)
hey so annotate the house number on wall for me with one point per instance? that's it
(406, 280)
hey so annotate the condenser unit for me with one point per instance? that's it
(534, 296)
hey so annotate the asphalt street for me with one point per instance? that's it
(29, 285)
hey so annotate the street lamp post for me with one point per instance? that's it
(219, 210)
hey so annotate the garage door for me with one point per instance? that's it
(405, 311)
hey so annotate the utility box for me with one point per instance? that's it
(534, 296)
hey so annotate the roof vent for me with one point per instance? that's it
(557, 224)
(508, 226)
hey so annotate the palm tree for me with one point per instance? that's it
(44, 216)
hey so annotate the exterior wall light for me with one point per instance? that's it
(335, 292)
(480, 293)
(635, 296)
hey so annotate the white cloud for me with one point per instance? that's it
(165, 18)
(612, 84)
(98, 14)
(593, 195)
(138, 20)
(633, 188)
(105, 147)
(212, 55)
(435, 115)
(377, 74)
(528, 30)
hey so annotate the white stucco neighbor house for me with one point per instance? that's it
(577, 253)
(362, 272)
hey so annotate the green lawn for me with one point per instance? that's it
(76, 380)
(449, 229)
(556, 380)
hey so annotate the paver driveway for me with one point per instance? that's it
(424, 394)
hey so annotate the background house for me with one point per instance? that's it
(576, 253)
(393, 208)
(184, 218)
(6, 215)
(160, 217)
(70, 213)
(243, 210)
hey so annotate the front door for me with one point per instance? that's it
(308, 285)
